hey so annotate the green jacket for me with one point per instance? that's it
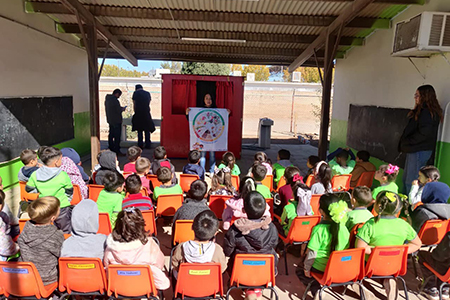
(278, 169)
(111, 203)
(288, 215)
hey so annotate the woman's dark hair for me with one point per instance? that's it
(130, 226)
(221, 179)
(388, 203)
(431, 172)
(324, 204)
(247, 185)
(324, 175)
(229, 160)
(429, 100)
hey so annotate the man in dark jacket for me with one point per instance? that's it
(114, 118)
(142, 119)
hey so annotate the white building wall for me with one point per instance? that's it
(39, 62)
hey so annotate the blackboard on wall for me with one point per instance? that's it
(377, 130)
(32, 122)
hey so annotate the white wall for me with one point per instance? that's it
(370, 76)
(36, 63)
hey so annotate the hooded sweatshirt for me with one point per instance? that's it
(68, 166)
(190, 209)
(107, 162)
(25, 173)
(361, 167)
(41, 245)
(134, 253)
(51, 182)
(84, 241)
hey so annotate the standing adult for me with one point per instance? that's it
(418, 140)
(142, 119)
(114, 118)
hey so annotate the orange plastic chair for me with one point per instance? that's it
(76, 198)
(22, 224)
(315, 204)
(444, 278)
(94, 191)
(168, 204)
(353, 233)
(299, 233)
(350, 260)
(310, 180)
(341, 183)
(22, 279)
(73, 273)
(104, 224)
(126, 174)
(432, 232)
(217, 204)
(186, 180)
(154, 182)
(25, 198)
(150, 221)
(131, 281)
(199, 281)
(388, 262)
(269, 202)
(143, 192)
(366, 179)
(268, 181)
(281, 183)
(253, 271)
(235, 181)
(182, 232)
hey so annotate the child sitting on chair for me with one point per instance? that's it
(263, 159)
(161, 160)
(203, 249)
(283, 161)
(386, 175)
(129, 244)
(133, 187)
(193, 167)
(133, 154)
(362, 165)
(229, 160)
(285, 192)
(142, 169)
(195, 202)
(221, 183)
(312, 161)
(30, 161)
(7, 246)
(322, 177)
(40, 241)
(110, 198)
(340, 163)
(167, 187)
(107, 161)
(259, 173)
(361, 199)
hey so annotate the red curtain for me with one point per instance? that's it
(224, 94)
(184, 95)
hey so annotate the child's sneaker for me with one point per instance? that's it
(445, 293)
(432, 294)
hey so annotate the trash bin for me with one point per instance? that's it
(264, 132)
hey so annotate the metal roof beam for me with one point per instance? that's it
(346, 17)
(398, 2)
(206, 16)
(248, 36)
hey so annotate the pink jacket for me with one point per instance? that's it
(134, 253)
(234, 209)
(71, 169)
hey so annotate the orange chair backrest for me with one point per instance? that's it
(301, 228)
(131, 281)
(74, 271)
(235, 181)
(341, 182)
(387, 261)
(433, 231)
(199, 280)
(76, 198)
(186, 180)
(143, 192)
(154, 182)
(315, 204)
(168, 204)
(268, 181)
(24, 196)
(269, 202)
(21, 279)
(150, 221)
(366, 179)
(281, 183)
(310, 180)
(104, 224)
(94, 191)
(350, 260)
(126, 174)
(217, 204)
(183, 231)
(22, 224)
(253, 270)
(353, 233)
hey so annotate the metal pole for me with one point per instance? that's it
(292, 110)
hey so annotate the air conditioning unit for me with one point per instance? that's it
(422, 35)
(296, 76)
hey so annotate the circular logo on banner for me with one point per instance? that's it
(208, 125)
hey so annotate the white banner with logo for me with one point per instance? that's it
(208, 129)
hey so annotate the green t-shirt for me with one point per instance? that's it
(388, 231)
(288, 215)
(173, 189)
(263, 190)
(356, 216)
(235, 171)
(337, 169)
(111, 203)
(320, 243)
(59, 186)
(391, 187)
(278, 171)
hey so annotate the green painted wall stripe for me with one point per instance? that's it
(81, 143)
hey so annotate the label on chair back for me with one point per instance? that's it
(15, 270)
(346, 258)
(254, 262)
(439, 225)
(305, 223)
(199, 272)
(81, 266)
(129, 273)
(389, 253)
